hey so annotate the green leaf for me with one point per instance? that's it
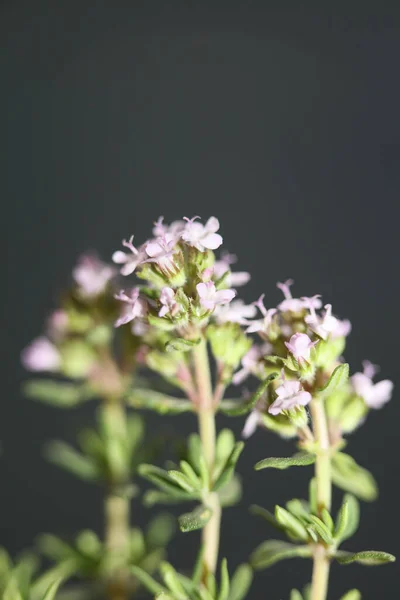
(291, 524)
(272, 551)
(184, 482)
(352, 595)
(64, 456)
(241, 582)
(259, 511)
(230, 493)
(348, 518)
(321, 529)
(349, 476)
(327, 519)
(366, 557)
(196, 519)
(146, 580)
(198, 567)
(52, 591)
(160, 531)
(301, 459)
(161, 403)
(162, 480)
(62, 395)
(295, 595)
(229, 467)
(338, 378)
(245, 407)
(224, 581)
(181, 345)
(11, 591)
(171, 580)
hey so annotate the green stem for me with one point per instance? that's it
(206, 418)
(320, 576)
(116, 503)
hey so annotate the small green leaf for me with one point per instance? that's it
(352, 595)
(259, 511)
(241, 582)
(224, 581)
(66, 457)
(161, 403)
(183, 481)
(230, 493)
(244, 407)
(196, 519)
(160, 531)
(327, 519)
(301, 459)
(321, 529)
(272, 551)
(162, 480)
(292, 525)
(198, 567)
(366, 557)
(171, 580)
(57, 393)
(52, 591)
(229, 467)
(146, 580)
(295, 595)
(181, 345)
(349, 476)
(338, 378)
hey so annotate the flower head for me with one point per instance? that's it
(202, 237)
(41, 355)
(134, 307)
(210, 297)
(300, 347)
(130, 261)
(289, 395)
(92, 275)
(235, 312)
(375, 395)
(262, 325)
(169, 304)
(327, 325)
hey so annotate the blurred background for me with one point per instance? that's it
(279, 118)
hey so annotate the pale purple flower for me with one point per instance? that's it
(41, 355)
(235, 312)
(202, 237)
(327, 325)
(289, 395)
(375, 395)
(210, 297)
(234, 279)
(290, 304)
(174, 229)
(300, 347)
(169, 304)
(251, 362)
(57, 324)
(92, 276)
(254, 419)
(135, 306)
(161, 251)
(262, 325)
(130, 261)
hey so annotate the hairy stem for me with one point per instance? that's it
(320, 576)
(206, 417)
(116, 503)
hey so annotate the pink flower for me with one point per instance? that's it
(289, 395)
(253, 420)
(290, 304)
(135, 306)
(92, 276)
(234, 279)
(210, 297)
(262, 325)
(251, 362)
(169, 304)
(235, 312)
(327, 325)
(300, 347)
(375, 395)
(174, 230)
(57, 324)
(161, 251)
(130, 261)
(202, 237)
(41, 355)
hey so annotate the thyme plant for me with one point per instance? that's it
(181, 320)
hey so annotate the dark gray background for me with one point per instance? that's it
(280, 118)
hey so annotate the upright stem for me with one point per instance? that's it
(206, 417)
(320, 576)
(116, 503)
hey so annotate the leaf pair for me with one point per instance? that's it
(180, 587)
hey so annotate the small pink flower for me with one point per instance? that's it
(251, 364)
(327, 325)
(262, 326)
(161, 251)
(174, 229)
(210, 297)
(202, 237)
(57, 324)
(375, 395)
(300, 347)
(253, 420)
(41, 355)
(289, 395)
(235, 312)
(234, 279)
(92, 275)
(169, 304)
(135, 306)
(295, 305)
(130, 261)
